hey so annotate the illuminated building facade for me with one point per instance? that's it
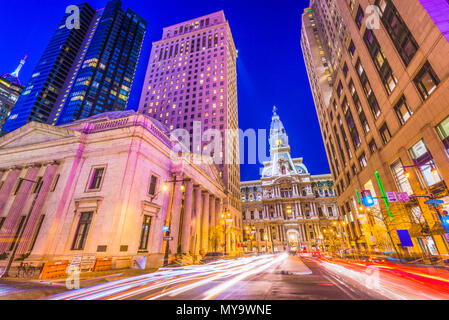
(384, 118)
(83, 71)
(192, 80)
(289, 209)
(9, 93)
(100, 192)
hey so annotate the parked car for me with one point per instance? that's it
(212, 257)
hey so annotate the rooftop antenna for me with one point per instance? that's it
(15, 74)
(14, 77)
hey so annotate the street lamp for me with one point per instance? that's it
(226, 220)
(22, 230)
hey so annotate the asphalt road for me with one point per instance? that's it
(269, 277)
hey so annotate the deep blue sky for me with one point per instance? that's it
(270, 66)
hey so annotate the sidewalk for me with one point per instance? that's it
(31, 289)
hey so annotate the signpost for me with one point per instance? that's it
(168, 238)
(403, 196)
(392, 197)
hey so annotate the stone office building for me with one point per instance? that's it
(103, 186)
(289, 209)
(381, 94)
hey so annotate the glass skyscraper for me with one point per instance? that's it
(83, 71)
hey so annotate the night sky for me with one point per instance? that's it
(270, 66)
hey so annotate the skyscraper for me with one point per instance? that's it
(192, 77)
(83, 71)
(384, 115)
(106, 72)
(47, 82)
(10, 90)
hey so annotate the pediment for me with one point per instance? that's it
(33, 134)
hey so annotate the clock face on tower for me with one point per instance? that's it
(279, 142)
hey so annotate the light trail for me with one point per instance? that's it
(393, 281)
(170, 280)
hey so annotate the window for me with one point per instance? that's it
(36, 233)
(443, 132)
(144, 235)
(55, 183)
(97, 179)
(426, 81)
(82, 230)
(363, 161)
(339, 89)
(385, 133)
(397, 30)
(383, 67)
(2, 221)
(345, 70)
(402, 111)
(37, 185)
(359, 17)
(398, 172)
(19, 184)
(351, 49)
(153, 184)
(425, 164)
(372, 101)
(372, 146)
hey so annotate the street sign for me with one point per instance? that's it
(404, 237)
(434, 201)
(392, 197)
(403, 196)
(168, 238)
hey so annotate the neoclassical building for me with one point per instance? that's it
(288, 208)
(106, 186)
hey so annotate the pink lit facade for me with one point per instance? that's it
(102, 193)
(192, 77)
(438, 10)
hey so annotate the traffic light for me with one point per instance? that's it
(367, 198)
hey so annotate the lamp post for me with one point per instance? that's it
(226, 220)
(167, 226)
(250, 232)
(22, 230)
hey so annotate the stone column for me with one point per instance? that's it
(205, 223)
(196, 226)
(212, 211)
(16, 211)
(8, 185)
(213, 235)
(47, 181)
(176, 216)
(186, 224)
(218, 209)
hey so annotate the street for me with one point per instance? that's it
(268, 277)
(259, 277)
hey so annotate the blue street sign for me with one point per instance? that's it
(434, 201)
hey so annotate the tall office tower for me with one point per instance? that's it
(192, 77)
(48, 80)
(10, 90)
(103, 82)
(83, 71)
(384, 118)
